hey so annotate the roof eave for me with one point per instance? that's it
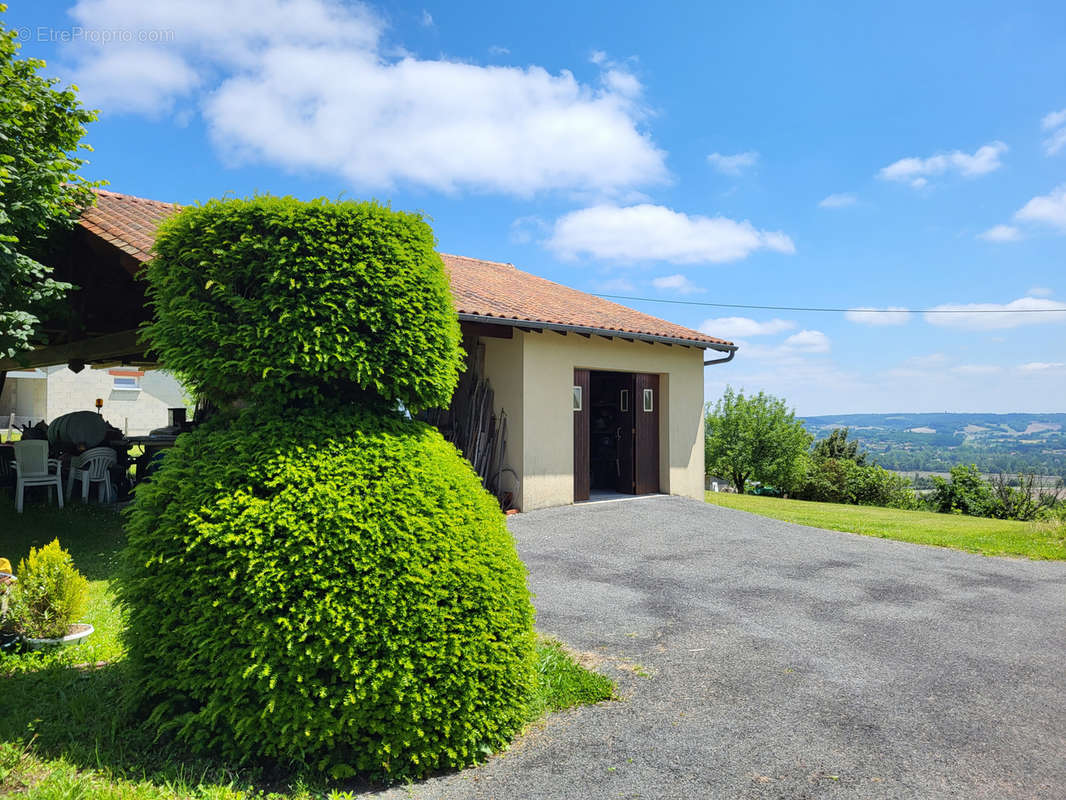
(563, 328)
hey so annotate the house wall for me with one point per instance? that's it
(546, 362)
(503, 368)
(23, 397)
(135, 412)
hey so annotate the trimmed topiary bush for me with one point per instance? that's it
(50, 596)
(334, 590)
(318, 580)
(272, 299)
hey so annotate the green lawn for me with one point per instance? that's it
(990, 537)
(66, 732)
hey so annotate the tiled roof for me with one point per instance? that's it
(491, 289)
(485, 289)
(127, 222)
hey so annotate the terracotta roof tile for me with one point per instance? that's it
(492, 289)
(128, 222)
(489, 289)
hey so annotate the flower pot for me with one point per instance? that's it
(75, 634)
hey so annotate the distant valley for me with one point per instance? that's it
(936, 442)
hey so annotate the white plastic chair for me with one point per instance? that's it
(93, 466)
(35, 468)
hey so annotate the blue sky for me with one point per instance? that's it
(906, 157)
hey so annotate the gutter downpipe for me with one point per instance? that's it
(725, 360)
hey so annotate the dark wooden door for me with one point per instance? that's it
(646, 425)
(580, 405)
(627, 481)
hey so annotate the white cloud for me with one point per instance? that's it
(1055, 142)
(976, 369)
(1053, 120)
(838, 200)
(816, 384)
(793, 353)
(648, 232)
(427, 19)
(807, 341)
(1034, 311)
(677, 283)
(106, 81)
(734, 164)
(915, 171)
(892, 315)
(1001, 233)
(1049, 209)
(744, 327)
(1040, 291)
(1041, 366)
(499, 50)
(311, 85)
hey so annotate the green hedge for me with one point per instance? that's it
(841, 480)
(273, 298)
(334, 590)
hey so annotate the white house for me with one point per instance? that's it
(598, 397)
(133, 400)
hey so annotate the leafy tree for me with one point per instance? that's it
(755, 438)
(40, 130)
(837, 445)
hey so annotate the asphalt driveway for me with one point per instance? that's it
(764, 659)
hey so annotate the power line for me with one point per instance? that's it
(841, 310)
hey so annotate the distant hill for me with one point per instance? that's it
(936, 442)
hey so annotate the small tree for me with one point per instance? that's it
(837, 445)
(40, 129)
(755, 438)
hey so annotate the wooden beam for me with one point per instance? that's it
(487, 330)
(121, 346)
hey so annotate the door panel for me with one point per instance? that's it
(646, 425)
(580, 406)
(626, 434)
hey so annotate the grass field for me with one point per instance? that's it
(66, 732)
(990, 537)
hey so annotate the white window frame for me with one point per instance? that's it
(649, 400)
(576, 398)
(623, 399)
(116, 387)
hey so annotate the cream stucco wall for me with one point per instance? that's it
(542, 365)
(23, 397)
(503, 368)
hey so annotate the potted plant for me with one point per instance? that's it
(49, 598)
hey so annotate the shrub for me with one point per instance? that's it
(966, 492)
(841, 480)
(272, 298)
(336, 591)
(50, 595)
